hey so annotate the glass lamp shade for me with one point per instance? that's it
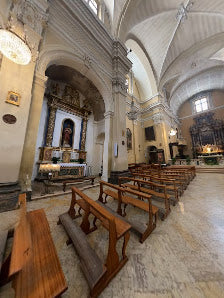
(133, 114)
(14, 48)
(173, 132)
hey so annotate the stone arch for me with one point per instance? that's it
(61, 55)
(208, 80)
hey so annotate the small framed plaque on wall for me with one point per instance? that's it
(13, 98)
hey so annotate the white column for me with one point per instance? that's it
(108, 150)
(29, 147)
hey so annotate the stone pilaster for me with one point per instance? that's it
(29, 147)
(108, 151)
(50, 128)
(121, 66)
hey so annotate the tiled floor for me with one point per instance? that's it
(183, 257)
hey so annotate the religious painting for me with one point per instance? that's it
(150, 134)
(13, 98)
(67, 136)
(129, 139)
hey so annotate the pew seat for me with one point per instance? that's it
(34, 265)
(97, 272)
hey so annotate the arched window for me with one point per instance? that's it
(93, 5)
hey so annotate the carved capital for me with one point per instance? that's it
(108, 114)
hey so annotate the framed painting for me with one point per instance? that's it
(13, 98)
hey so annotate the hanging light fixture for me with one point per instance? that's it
(172, 132)
(133, 113)
(14, 48)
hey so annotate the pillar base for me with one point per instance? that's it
(114, 175)
(9, 193)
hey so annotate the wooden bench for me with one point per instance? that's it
(184, 175)
(92, 178)
(170, 183)
(189, 168)
(97, 273)
(123, 197)
(151, 191)
(34, 265)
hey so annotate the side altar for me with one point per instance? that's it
(71, 161)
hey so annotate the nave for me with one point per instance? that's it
(182, 257)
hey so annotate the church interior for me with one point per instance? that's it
(111, 148)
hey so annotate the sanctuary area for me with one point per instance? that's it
(111, 148)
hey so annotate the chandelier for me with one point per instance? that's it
(132, 114)
(14, 48)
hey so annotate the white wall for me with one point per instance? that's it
(60, 116)
(94, 148)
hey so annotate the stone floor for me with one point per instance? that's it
(183, 257)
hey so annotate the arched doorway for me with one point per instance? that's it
(152, 153)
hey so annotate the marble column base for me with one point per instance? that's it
(114, 175)
(9, 193)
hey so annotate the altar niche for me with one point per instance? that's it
(207, 132)
(67, 133)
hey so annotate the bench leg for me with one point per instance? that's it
(126, 239)
(5, 271)
(69, 241)
(124, 212)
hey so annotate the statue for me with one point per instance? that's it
(66, 136)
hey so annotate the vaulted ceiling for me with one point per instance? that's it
(177, 50)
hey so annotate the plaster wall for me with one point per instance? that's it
(186, 115)
(16, 78)
(95, 144)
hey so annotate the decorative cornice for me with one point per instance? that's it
(78, 25)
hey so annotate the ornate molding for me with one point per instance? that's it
(28, 19)
(121, 66)
(87, 61)
(50, 128)
(108, 114)
(66, 105)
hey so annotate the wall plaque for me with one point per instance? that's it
(9, 119)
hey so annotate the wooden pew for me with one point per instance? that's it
(170, 183)
(192, 169)
(97, 273)
(151, 191)
(72, 181)
(122, 195)
(34, 266)
(184, 175)
(3, 265)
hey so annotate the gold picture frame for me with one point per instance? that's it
(13, 98)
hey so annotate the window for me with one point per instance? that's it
(93, 5)
(127, 83)
(201, 104)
